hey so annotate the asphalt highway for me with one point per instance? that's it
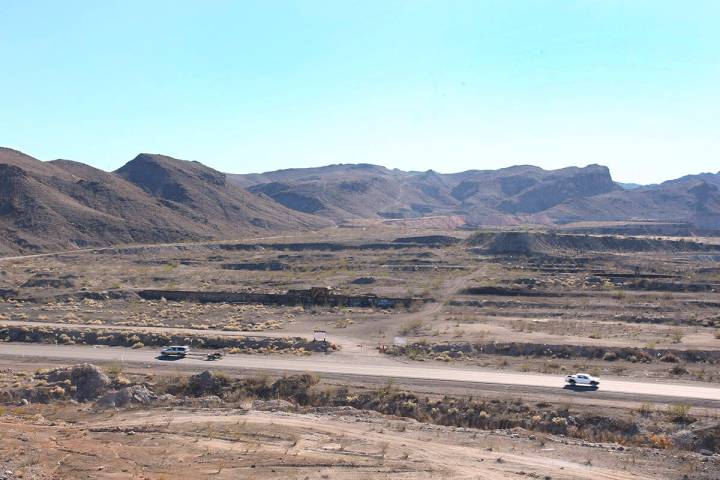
(356, 365)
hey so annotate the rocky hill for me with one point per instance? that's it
(64, 204)
(509, 196)
(154, 198)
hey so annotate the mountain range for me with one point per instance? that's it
(64, 204)
(153, 198)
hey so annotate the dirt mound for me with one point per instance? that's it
(128, 338)
(526, 243)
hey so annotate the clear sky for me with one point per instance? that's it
(247, 86)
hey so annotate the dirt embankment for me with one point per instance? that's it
(115, 338)
(435, 240)
(508, 292)
(257, 266)
(308, 298)
(525, 243)
(415, 242)
(448, 351)
(8, 293)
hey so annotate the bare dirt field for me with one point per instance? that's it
(210, 428)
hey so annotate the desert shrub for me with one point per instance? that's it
(646, 409)
(174, 384)
(257, 382)
(679, 413)
(660, 441)
(114, 368)
(669, 358)
(295, 388)
(560, 421)
(679, 370)
(676, 336)
(412, 327)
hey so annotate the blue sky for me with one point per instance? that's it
(249, 86)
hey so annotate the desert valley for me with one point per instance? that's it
(353, 321)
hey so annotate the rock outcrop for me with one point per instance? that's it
(88, 380)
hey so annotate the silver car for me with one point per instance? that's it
(175, 351)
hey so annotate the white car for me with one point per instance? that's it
(175, 351)
(582, 379)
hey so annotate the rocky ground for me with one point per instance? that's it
(84, 422)
(542, 307)
(480, 293)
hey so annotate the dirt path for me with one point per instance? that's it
(148, 245)
(445, 457)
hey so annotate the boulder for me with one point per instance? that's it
(698, 438)
(89, 381)
(273, 405)
(136, 394)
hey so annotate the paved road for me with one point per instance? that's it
(357, 366)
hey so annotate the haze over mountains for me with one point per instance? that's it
(153, 198)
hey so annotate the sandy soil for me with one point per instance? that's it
(69, 443)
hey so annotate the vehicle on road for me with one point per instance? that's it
(214, 356)
(175, 351)
(582, 380)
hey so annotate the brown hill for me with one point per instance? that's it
(64, 204)
(509, 196)
(533, 242)
(694, 201)
(155, 198)
(342, 192)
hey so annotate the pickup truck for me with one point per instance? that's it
(175, 351)
(582, 379)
